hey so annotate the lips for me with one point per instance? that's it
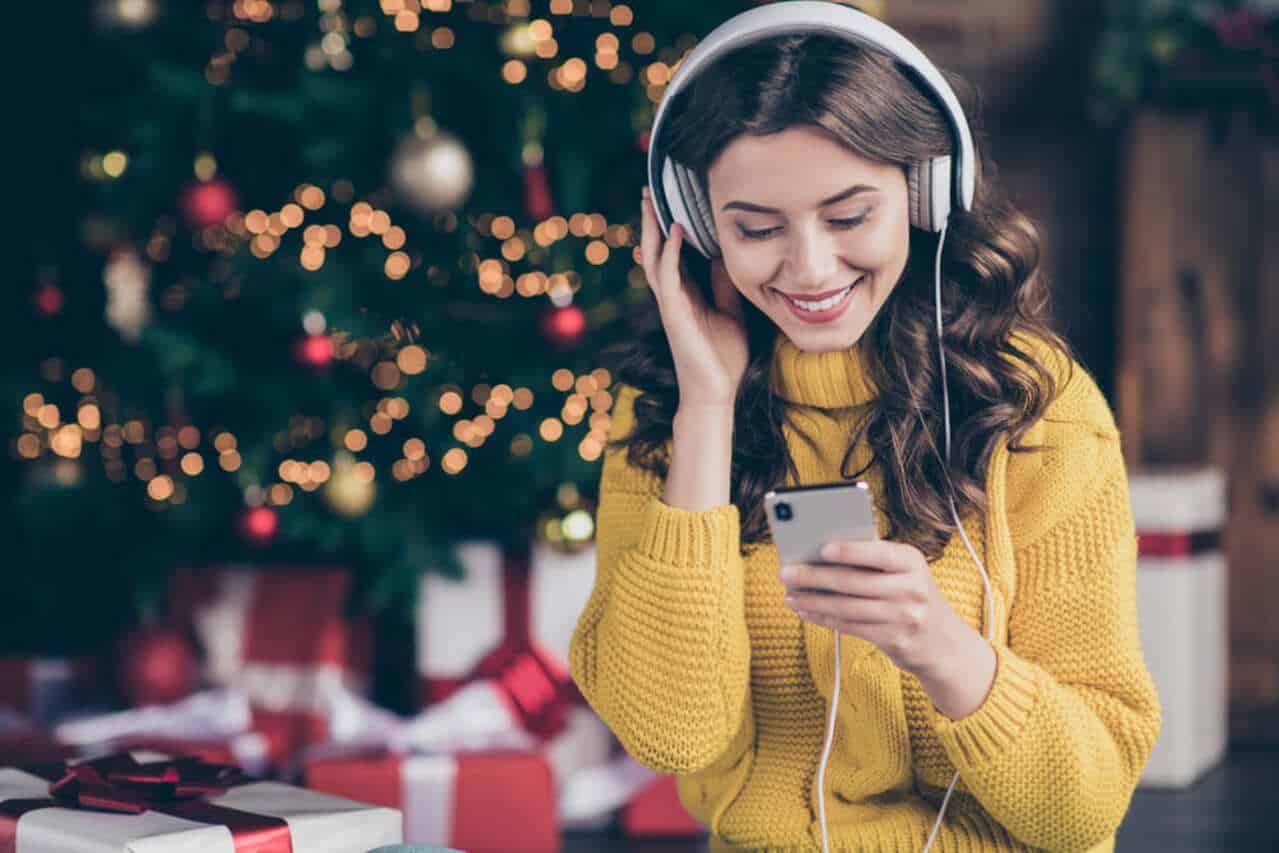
(814, 297)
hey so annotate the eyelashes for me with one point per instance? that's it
(764, 234)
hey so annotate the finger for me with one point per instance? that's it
(845, 580)
(881, 554)
(668, 263)
(842, 607)
(649, 241)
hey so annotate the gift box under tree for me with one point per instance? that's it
(514, 606)
(1182, 608)
(141, 803)
(274, 648)
(503, 725)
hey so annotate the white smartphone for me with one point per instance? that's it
(804, 518)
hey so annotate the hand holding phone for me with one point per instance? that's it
(878, 590)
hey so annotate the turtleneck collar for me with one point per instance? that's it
(827, 380)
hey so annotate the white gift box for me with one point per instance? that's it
(317, 823)
(1182, 608)
(459, 621)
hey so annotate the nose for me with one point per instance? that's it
(813, 258)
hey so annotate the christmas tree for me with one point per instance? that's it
(353, 266)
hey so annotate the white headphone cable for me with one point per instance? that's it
(985, 579)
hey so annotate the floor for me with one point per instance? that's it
(1232, 808)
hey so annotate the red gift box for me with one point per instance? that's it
(282, 636)
(277, 647)
(657, 811)
(480, 802)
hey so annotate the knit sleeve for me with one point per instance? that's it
(1055, 750)
(661, 650)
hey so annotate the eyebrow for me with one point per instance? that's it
(839, 196)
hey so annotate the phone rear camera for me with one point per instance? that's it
(782, 511)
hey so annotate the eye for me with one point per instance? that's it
(765, 233)
(758, 235)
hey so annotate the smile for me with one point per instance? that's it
(821, 310)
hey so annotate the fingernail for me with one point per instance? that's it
(790, 600)
(789, 572)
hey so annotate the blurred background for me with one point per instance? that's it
(303, 383)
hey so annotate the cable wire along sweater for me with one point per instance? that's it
(687, 651)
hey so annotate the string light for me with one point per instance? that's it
(264, 231)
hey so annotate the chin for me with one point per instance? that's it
(838, 335)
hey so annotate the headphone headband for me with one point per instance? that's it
(824, 17)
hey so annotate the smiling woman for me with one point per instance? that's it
(805, 352)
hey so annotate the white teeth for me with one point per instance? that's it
(830, 302)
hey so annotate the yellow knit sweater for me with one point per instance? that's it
(687, 652)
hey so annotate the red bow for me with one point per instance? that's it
(119, 783)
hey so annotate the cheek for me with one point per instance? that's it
(883, 246)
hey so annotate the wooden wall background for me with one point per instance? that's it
(1198, 374)
(1161, 244)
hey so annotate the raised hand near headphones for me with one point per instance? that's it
(708, 343)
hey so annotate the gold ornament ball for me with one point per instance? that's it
(345, 492)
(433, 174)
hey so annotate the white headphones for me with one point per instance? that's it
(680, 195)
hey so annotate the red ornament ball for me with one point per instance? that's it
(259, 524)
(208, 203)
(564, 326)
(49, 300)
(316, 350)
(156, 665)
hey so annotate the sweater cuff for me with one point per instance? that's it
(992, 729)
(685, 537)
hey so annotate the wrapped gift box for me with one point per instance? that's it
(116, 804)
(480, 802)
(509, 601)
(1182, 608)
(290, 668)
(459, 763)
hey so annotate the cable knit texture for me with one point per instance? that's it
(687, 652)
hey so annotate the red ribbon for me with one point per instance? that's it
(119, 783)
(534, 685)
(1178, 544)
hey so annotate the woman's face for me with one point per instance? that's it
(799, 215)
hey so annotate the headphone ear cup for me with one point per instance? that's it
(939, 195)
(695, 206)
(677, 202)
(917, 185)
(703, 213)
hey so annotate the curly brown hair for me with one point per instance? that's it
(994, 297)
